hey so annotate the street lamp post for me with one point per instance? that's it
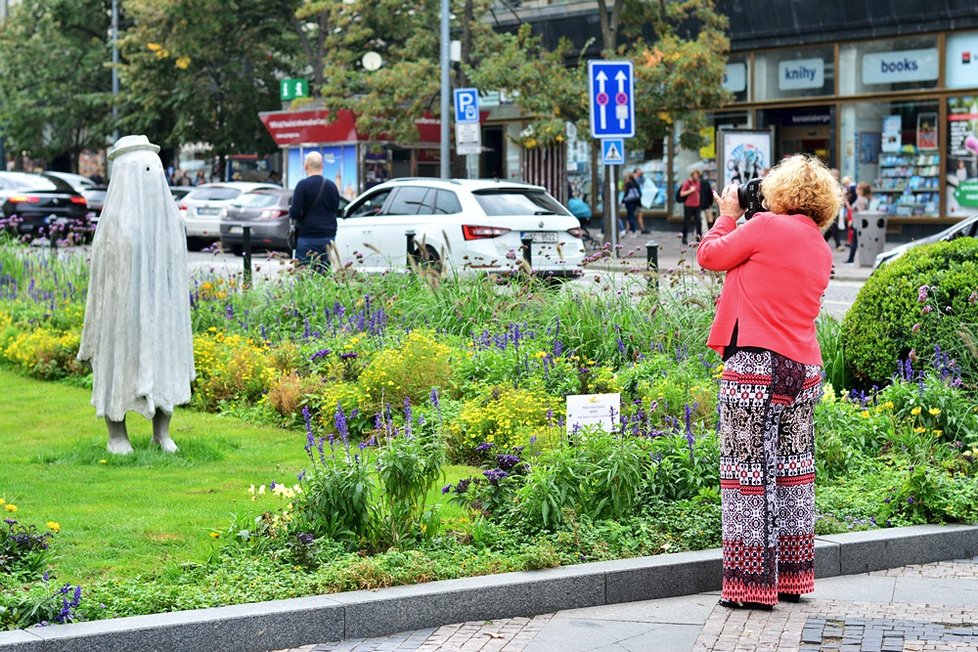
(445, 55)
(115, 70)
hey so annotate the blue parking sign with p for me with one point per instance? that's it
(466, 105)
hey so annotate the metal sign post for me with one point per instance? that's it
(468, 131)
(611, 90)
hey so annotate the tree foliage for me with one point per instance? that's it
(202, 70)
(55, 83)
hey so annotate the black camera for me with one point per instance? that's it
(750, 198)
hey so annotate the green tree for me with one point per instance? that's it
(202, 70)
(55, 81)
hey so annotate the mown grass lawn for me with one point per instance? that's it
(126, 516)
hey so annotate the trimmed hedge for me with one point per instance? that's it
(914, 303)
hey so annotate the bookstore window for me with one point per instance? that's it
(893, 146)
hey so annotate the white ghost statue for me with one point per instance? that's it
(137, 331)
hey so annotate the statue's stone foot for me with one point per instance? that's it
(118, 438)
(166, 444)
(119, 446)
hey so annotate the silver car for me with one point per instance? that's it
(201, 208)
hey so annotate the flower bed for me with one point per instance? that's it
(389, 380)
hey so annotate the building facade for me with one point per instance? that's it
(884, 90)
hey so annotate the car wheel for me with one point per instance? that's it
(194, 244)
(429, 261)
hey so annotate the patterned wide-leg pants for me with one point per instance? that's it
(767, 475)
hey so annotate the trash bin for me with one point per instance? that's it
(871, 230)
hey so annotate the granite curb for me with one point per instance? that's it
(302, 621)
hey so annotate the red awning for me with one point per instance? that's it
(319, 126)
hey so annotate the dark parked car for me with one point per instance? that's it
(34, 205)
(966, 228)
(266, 211)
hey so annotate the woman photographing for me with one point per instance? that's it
(777, 267)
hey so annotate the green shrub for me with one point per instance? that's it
(911, 304)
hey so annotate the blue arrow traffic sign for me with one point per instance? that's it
(612, 93)
(612, 151)
(466, 105)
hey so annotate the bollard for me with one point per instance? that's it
(652, 262)
(410, 247)
(527, 241)
(246, 252)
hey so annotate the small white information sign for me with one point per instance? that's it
(468, 138)
(600, 410)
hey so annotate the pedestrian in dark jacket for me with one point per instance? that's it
(314, 205)
(706, 200)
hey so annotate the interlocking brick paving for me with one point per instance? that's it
(506, 635)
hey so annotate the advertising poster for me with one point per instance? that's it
(892, 136)
(927, 131)
(962, 156)
(339, 164)
(743, 154)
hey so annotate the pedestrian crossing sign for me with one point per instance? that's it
(612, 151)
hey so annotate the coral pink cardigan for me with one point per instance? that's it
(778, 267)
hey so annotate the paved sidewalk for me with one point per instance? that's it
(671, 251)
(921, 608)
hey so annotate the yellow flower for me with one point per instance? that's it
(888, 405)
(215, 535)
(934, 411)
(153, 47)
(182, 62)
(261, 490)
(10, 507)
(915, 411)
(937, 432)
(103, 461)
(919, 429)
(864, 414)
(2, 501)
(54, 526)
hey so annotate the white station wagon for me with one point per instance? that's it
(465, 225)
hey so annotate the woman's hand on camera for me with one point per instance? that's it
(728, 203)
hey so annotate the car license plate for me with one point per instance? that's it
(208, 211)
(549, 237)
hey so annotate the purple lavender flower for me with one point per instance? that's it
(310, 440)
(922, 293)
(434, 397)
(322, 353)
(305, 538)
(301, 475)
(484, 446)
(352, 355)
(340, 420)
(446, 488)
(272, 486)
(463, 485)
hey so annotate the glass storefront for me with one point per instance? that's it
(900, 114)
(893, 146)
(961, 181)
